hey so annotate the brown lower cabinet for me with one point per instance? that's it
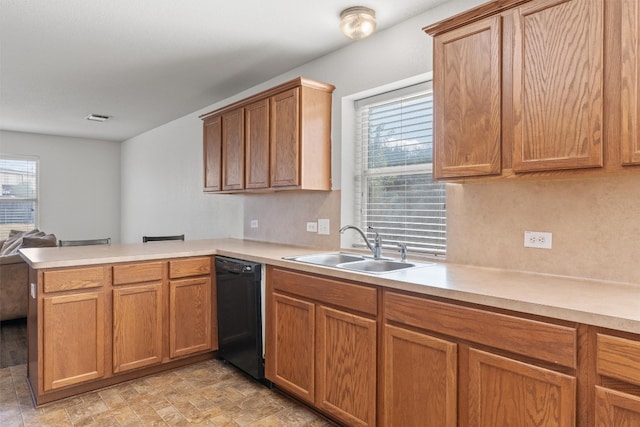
(291, 348)
(321, 343)
(94, 326)
(618, 391)
(454, 365)
(346, 366)
(365, 355)
(73, 339)
(503, 391)
(137, 326)
(189, 316)
(420, 379)
(616, 409)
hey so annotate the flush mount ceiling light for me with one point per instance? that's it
(97, 117)
(358, 22)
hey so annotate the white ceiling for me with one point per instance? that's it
(147, 62)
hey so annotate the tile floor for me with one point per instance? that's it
(208, 393)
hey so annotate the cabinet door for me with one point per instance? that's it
(285, 139)
(290, 345)
(420, 380)
(257, 144)
(233, 150)
(618, 358)
(616, 409)
(189, 316)
(346, 366)
(505, 392)
(558, 85)
(212, 154)
(467, 96)
(73, 350)
(137, 326)
(630, 84)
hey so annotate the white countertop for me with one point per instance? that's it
(600, 303)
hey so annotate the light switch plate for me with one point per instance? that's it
(323, 226)
(312, 227)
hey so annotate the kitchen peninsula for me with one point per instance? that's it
(578, 337)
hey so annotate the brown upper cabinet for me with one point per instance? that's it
(212, 153)
(630, 81)
(467, 81)
(558, 85)
(233, 150)
(257, 144)
(279, 139)
(537, 88)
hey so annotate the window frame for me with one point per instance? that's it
(357, 188)
(4, 231)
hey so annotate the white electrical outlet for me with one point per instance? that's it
(254, 223)
(312, 227)
(537, 239)
(323, 226)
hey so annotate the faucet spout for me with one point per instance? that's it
(376, 248)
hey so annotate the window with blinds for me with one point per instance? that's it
(395, 194)
(19, 199)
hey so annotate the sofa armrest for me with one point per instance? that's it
(11, 259)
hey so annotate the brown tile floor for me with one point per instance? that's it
(208, 393)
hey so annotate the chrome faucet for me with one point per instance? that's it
(376, 248)
(403, 251)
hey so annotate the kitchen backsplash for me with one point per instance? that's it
(595, 225)
(282, 217)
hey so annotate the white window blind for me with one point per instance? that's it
(395, 194)
(19, 198)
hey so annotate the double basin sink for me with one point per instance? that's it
(355, 262)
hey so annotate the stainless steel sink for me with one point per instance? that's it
(355, 262)
(376, 265)
(330, 259)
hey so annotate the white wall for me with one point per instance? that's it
(79, 183)
(162, 187)
(162, 171)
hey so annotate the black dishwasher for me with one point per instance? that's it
(240, 314)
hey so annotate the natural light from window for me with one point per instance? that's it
(19, 199)
(394, 192)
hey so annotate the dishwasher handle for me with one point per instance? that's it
(233, 266)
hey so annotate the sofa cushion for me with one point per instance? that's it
(14, 241)
(46, 241)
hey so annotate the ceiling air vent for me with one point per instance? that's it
(97, 117)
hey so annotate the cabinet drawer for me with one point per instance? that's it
(136, 273)
(618, 358)
(346, 295)
(75, 278)
(189, 267)
(540, 340)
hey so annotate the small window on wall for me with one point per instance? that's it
(394, 191)
(19, 198)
